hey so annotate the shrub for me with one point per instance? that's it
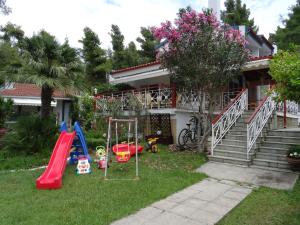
(294, 152)
(31, 134)
(94, 142)
(6, 108)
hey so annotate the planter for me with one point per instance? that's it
(294, 162)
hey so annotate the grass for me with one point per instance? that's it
(266, 206)
(22, 161)
(88, 199)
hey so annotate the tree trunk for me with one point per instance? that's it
(207, 120)
(46, 97)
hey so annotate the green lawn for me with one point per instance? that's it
(267, 206)
(22, 161)
(88, 199)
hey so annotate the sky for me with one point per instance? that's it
(67, 18)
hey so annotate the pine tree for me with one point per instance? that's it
(132, 57)
(122, 57)
(148, 43)
(94, 57)
(237, 14)
(117, 40)
(289, 35)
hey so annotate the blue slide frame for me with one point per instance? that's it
(79, 143)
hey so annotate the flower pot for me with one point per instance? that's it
(294, 162)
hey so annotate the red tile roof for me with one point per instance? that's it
(136, 67)
(157, 62)
(261, 57)
(28, 90)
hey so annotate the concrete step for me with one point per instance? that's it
(228, 141)
(284, 133)
(270, 156)
(236, 128)
(269, 150)
(233, 154)
(240, 137)
(242, 132)
(281, 145)
(272, 169)
(235, 148)
(271, 163)
(292, 140)
(230, 160)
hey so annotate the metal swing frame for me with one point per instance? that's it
(109, 151)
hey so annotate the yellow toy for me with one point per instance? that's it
(152, 145)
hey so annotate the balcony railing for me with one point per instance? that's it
(291, 107)
(161, 98)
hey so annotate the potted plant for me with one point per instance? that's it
(293, 157)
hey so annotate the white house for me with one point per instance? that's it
(27, 100)
(153, 86)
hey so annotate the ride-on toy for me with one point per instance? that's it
(152, 145)
(101, 157)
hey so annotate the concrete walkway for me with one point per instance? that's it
(203, 203)
(254, 176)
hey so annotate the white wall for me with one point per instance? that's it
(182, 118)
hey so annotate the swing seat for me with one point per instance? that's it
(124, 148)
(123, 157)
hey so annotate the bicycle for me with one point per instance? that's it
(189, 134)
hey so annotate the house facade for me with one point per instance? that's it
(27, 100)
(152, 86)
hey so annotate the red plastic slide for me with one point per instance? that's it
(52, 176)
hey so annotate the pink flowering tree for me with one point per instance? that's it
(202, 54)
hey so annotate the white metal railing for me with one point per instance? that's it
(191, 99)
(291, 107)
(258, 120)
(158, 98)
(148, 98)
(229, 116)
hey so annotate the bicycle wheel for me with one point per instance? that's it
(183, 137)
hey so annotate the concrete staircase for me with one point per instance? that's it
(269, 152)
(272, 151)
(233, 148)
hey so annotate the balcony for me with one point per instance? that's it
(159, 98)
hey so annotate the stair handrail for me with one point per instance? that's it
(224, 121)
(258, 120)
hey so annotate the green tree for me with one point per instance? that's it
(4, 9)
(122, 57)
(9, 56)
(94, 57)
(12, 33)
(285, 37)
(6, 108)
(285, 70)
(117, 40)
(131, 55)
(49, 65)
(148, 43)
(237, 14)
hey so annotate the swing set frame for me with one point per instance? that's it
(109, 150)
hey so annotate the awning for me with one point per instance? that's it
(30, 102)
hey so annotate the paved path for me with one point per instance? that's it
(203, 203)
(255, 176)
